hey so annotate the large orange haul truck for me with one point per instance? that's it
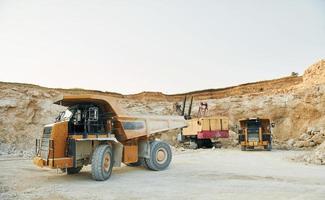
(95, 130)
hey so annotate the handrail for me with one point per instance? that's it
(51, 147)
(37, 146)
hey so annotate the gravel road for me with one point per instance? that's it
(200, 174)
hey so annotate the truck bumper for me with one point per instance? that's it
(38, 161)
(254, 144)
(55, 163)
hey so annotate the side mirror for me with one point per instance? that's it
(273, 125)
(59, 117)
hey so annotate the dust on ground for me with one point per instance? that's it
(193, 174)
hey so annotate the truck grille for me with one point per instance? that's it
(253, 137)
(253, 134)
(45, 143)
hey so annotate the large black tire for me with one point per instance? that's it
(160, 156)
(145, 163)
(241, 138)
(102, 163)
(243, 148)
(207, 143)
(73, 170)
(200, 143)
(136, 164)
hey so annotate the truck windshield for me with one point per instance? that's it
(253, 124)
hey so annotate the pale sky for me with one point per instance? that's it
(130, 46)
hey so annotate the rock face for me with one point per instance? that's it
(309, 139)
(295, 104)
(23, 112)
(315, 74)
(317, 156)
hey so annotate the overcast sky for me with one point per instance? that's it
(174, 46)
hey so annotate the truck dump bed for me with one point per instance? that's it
(127, 125)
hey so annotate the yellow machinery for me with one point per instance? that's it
(95, 130)
(202, 131)
(206, 131)
(255, 132)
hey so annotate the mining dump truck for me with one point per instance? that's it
(203, 131)
(254, 133)
(95, 130)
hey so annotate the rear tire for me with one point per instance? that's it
(145, 163)
(160, 156)
(243, 148)
(200, 143)
(102, 163)
(73, 170)
(208, 143)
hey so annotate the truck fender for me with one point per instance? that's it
(117, 152)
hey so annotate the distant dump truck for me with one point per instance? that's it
(206, 131)
(255, 132)
(95, 130)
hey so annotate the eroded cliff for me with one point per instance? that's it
(296, 104)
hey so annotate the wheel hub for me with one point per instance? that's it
(161, 156)
(106, 162)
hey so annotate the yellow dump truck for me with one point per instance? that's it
(206, 131)
(254, 133)
(95, 130)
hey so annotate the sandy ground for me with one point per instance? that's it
(201, 174)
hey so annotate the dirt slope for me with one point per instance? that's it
(295, 104)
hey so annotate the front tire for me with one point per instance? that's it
(102, 163)
(160, 156)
